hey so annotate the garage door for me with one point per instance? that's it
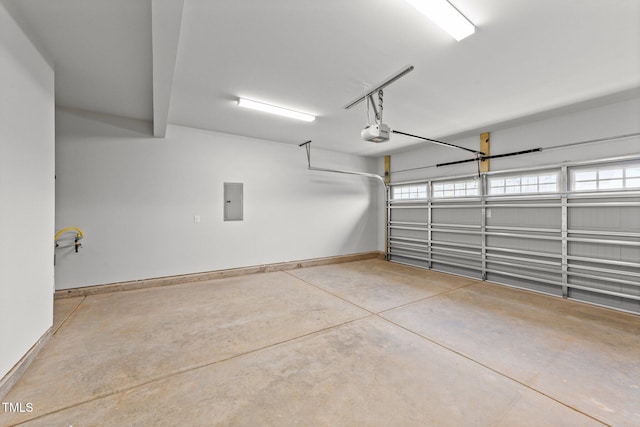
(571, 231)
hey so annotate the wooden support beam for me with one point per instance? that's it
(387, 169)
(485, 147)
(387, 181)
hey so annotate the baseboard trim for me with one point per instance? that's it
(210, 275)
(12, 377)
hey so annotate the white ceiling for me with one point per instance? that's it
(526, 57)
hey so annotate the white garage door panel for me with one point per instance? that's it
(578, 245)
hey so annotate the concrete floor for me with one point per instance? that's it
(362, 343)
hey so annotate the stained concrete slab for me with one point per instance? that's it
(62, 309)
(583, 356)
(535, 411)
(597, 374)
(378, 285)
(119, 340)
(274, 349)
(367, 372)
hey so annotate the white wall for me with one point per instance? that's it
(135, 197)
(613, 119)
(26, 194)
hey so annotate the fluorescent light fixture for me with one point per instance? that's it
(447, 17)
(260, 106)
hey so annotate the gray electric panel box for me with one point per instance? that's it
(233, 201)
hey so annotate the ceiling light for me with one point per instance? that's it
(254, 105)
(447, 17)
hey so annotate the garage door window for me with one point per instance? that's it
(455, 189)
(524, 184)
(606, 178)
(410, 192)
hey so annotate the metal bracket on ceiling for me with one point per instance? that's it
(307, 145)
(381, 86)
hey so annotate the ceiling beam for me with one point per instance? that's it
(166, 21)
